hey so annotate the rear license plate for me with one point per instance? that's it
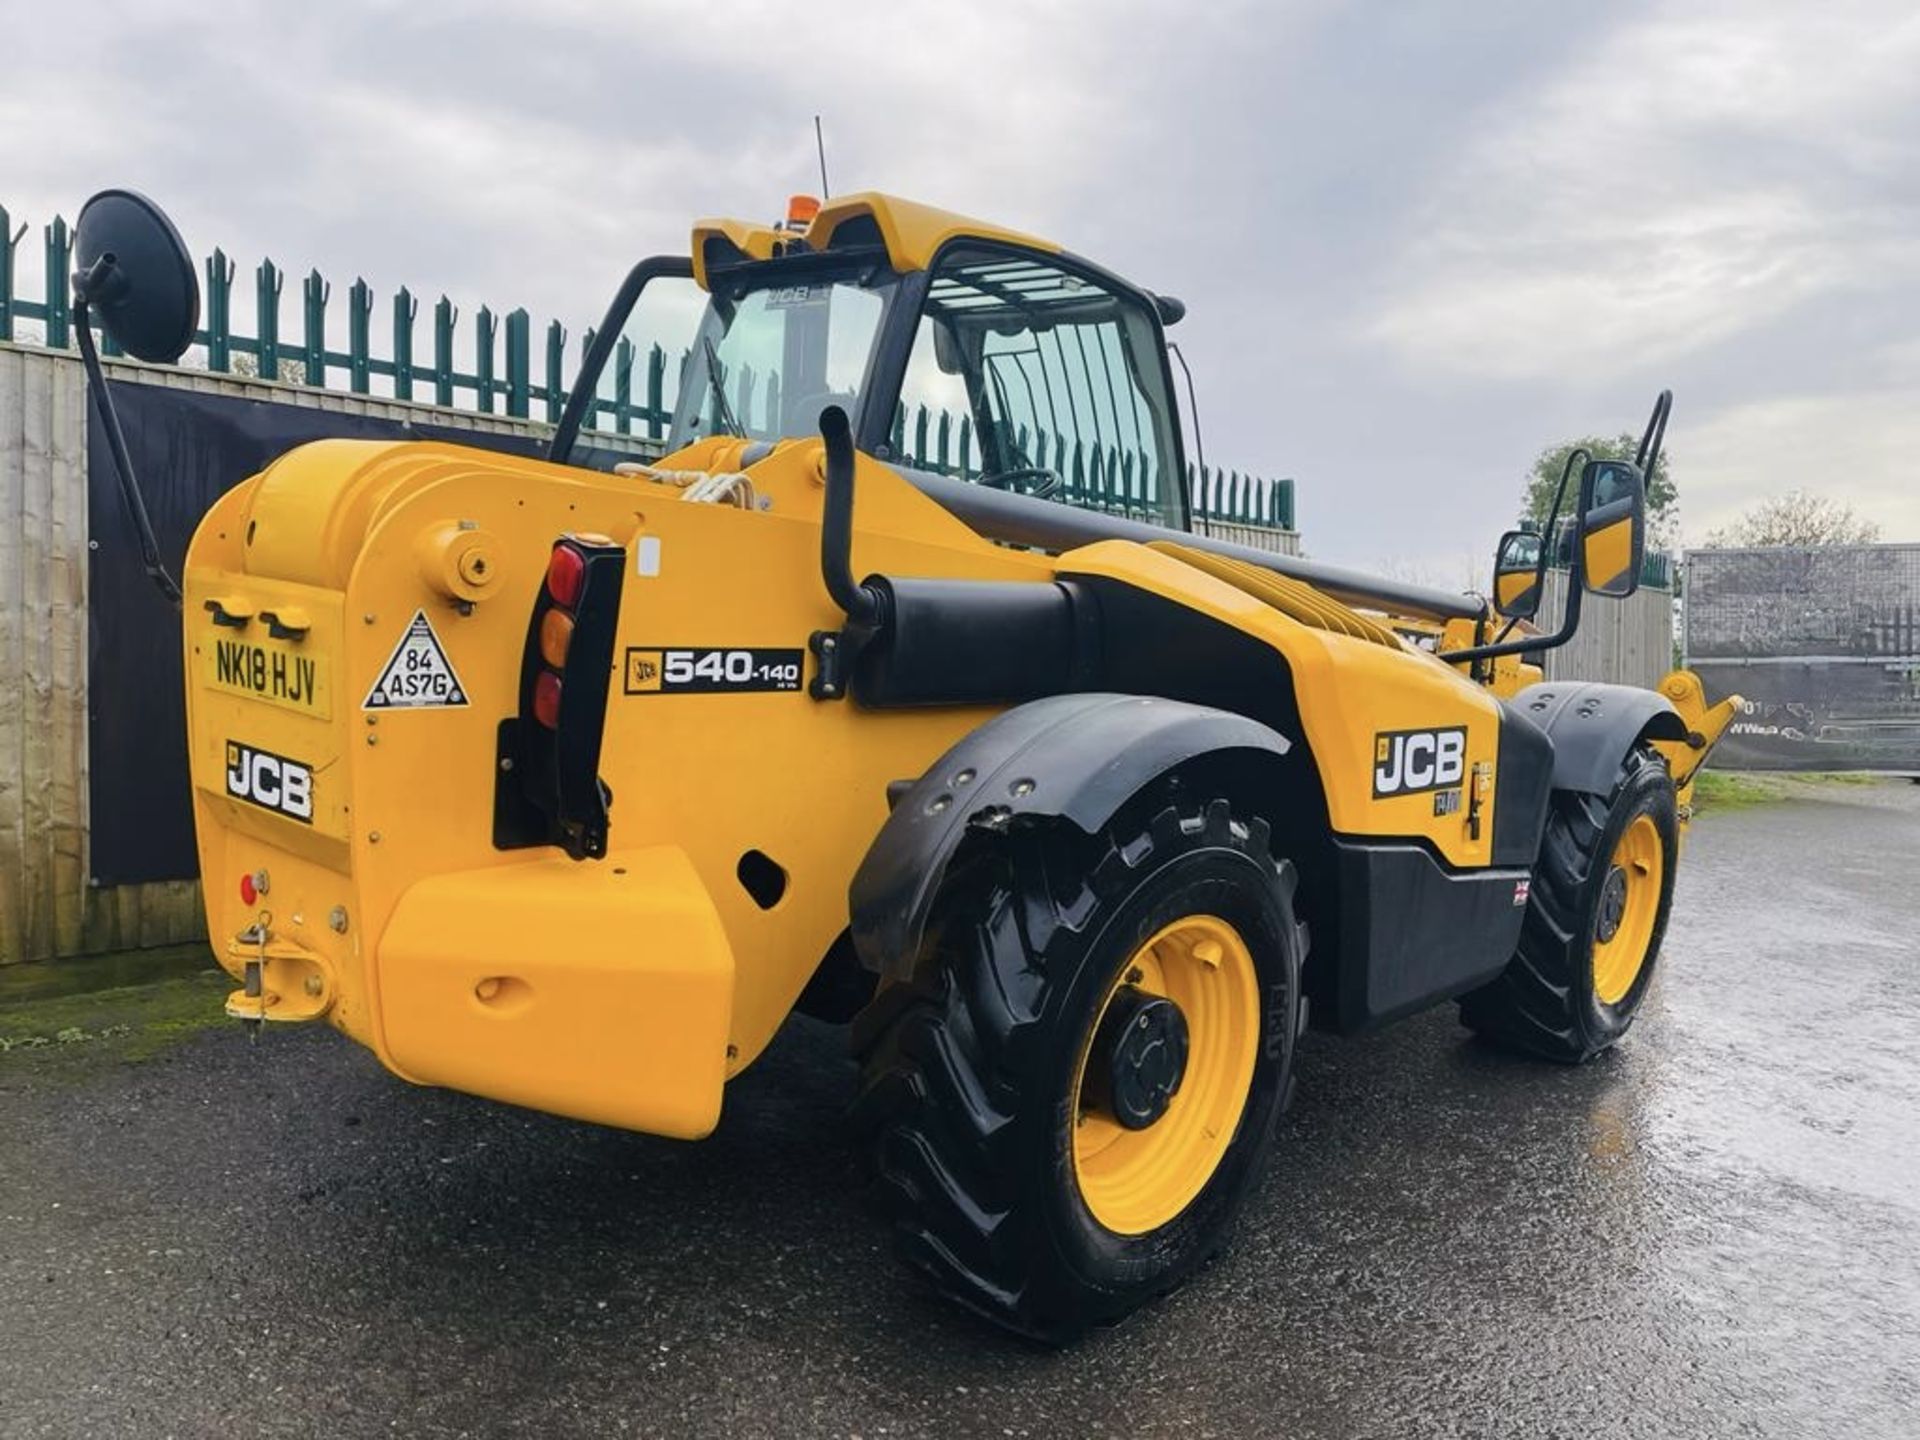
(269, 670)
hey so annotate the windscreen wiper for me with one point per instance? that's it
(717, 388)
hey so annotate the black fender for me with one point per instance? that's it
(1594, 725)
(1076, 758)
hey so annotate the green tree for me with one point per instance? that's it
(1798, 517)
(1663, 500)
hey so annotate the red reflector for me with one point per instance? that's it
(247, 892)
(546, 698)
(566, 571)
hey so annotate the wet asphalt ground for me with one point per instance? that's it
(1713, 1231)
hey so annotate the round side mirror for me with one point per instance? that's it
(134, 273)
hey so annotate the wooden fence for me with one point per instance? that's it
(1629, 642)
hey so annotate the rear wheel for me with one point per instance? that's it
(1069, 1110)
(1596, 913)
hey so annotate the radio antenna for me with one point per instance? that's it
(820, 144)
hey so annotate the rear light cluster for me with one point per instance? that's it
(549, 790)
(566, 578)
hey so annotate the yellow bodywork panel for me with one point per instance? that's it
(1705, 724)
(913, 233)
(601, 991)
(1352, 694)
(628, 989)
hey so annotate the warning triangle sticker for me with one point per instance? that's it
(418, 676)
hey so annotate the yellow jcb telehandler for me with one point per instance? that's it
(565, 782)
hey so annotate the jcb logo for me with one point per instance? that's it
(270, 781)
(1407, 762)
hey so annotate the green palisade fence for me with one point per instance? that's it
(1098, 477)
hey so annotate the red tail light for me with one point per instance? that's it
(546, 699)
(566, 570)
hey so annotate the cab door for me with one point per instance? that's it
(1033, 373)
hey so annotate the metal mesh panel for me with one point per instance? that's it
(1824, 644)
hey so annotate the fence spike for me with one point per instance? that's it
(556, 362)
(267, 284)
(316, 292)
(220, 273)
(444, 315)
(359, 328)
(405, 308)
(623, 386)
(519, 362)
(656, 392)
(59, 250)
(9, 239)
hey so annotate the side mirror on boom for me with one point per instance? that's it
(1519, 568)
(1602, 543)
(1613, 527)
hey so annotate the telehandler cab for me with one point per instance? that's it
(563, 783)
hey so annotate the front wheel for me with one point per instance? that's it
(1069, 1109)
(1596, 913)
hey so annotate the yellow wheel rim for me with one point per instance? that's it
(1134, 1181)
(1629, 904)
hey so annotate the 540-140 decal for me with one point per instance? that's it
(710, 670)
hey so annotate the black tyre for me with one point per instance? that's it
(1069, 1107)
(1596, 914)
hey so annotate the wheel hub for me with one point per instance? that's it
(1613, 904)
(1141, 1055)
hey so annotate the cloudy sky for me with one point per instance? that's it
(1418, 242)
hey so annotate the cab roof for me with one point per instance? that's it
(909, 232)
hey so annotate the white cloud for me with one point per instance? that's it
(1692, 180)
(1418, 243)
(1862, 449)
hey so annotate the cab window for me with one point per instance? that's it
(773, 350)
(1028, 376)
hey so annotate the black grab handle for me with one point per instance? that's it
(860, 602)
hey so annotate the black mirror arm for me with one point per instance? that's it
(580, 397)
(1576, 592)
(117, 447)
(1655, 435)
(1569, 623)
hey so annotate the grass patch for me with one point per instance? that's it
(1724, 790)
(128, 1022)
(1739, 789)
